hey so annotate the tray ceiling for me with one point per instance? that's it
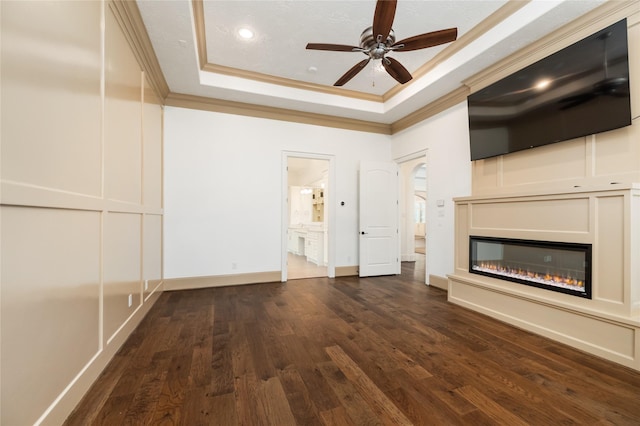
(201, 53)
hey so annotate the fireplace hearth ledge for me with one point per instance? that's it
(611, 337)
(542, 299)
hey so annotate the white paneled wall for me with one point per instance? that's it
(81, 214)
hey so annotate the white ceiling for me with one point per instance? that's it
(283, 28)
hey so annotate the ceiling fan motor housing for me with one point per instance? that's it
(372, 47)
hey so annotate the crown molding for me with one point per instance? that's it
(604, 15)
(128, 17)
(296, 84)
(491, 21)
(201, 44)
(271, 113)
(197, 7)
(431, 109)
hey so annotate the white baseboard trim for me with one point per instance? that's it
(439, 282)
(347, 271)
(189, 283)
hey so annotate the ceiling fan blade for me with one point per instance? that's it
(383, 18)
(431, 39)
(396, 70)
(352, 72)
(332, 47)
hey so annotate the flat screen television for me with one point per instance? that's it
(580, 90)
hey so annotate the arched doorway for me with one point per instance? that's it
(420, 211)
(414, 213)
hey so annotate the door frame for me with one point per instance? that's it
(331, 223)
(424, 156)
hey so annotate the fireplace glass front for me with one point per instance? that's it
(562, 267)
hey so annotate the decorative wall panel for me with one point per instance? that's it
(554, 215)
(122, 269)
(72, 208)
(610, 241)
(553, 163)
(122, 118)
(50, 305)
(51, 95)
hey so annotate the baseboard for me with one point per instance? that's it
(408, 257)
(189, 283)
(347, 271)
(439, 282)
(67, 401)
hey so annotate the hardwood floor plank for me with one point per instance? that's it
(336, 416)
(347, 351)
(415, 408)
(354, 404)
(421, 401)
(114, 410)
(383, 407)
(171, 399)
(222, 410)
(222, 382)
(300, 399)
(143, 407)
(444, 393)
(489, 407)
(274, 404)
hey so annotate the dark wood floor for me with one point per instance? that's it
(348, 351)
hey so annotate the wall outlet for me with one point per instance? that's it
(234, 265)
(130, 300)
(146, 285)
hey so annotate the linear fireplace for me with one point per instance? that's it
(562, 267)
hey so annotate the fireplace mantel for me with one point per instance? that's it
(608, 219)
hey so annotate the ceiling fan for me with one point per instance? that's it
(378, 40)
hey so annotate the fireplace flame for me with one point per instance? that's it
(523, 274)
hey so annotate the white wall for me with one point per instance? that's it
(445, 136)
(223, 189)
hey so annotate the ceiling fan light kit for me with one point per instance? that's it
(379, 39)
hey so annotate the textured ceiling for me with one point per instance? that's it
(283, 28)
(279, 46)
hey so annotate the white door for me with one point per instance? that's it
(379, 248)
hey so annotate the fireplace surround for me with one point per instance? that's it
(601, 224)
(555, 266)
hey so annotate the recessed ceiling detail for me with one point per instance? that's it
(272, 69)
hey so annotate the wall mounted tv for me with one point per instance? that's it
(581, 90)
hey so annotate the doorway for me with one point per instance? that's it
(420, 209)
(306, 216)
(414, 212)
